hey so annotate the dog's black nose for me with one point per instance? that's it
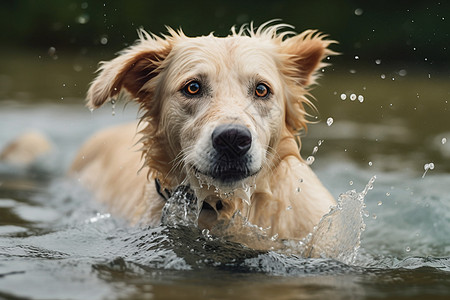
(232, 139)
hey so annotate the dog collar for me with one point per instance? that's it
(163, 192)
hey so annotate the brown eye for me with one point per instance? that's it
(192, 88)
(261, 90)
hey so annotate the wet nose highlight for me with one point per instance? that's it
(232, 138)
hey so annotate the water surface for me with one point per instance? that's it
(57, 243)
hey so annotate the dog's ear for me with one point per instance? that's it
(129, 71)
(305, 53)
(303, 56)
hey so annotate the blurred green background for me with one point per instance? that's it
(399, 34)
(391, 30)
(403, 35)
(388, 29)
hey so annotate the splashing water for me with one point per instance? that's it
(311, 159)
(337, 235)
(113, 107)
(180, 208)
(330, 121)
(429, 166)
(205, 187)
(352, 97)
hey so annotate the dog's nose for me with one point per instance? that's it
(232, 139)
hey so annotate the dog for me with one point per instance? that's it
(219, 114)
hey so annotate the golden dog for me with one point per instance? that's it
(221, 115)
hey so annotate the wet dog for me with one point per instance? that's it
(220, 115)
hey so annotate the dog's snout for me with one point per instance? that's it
(232, 139)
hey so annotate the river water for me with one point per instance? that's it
(57, 243)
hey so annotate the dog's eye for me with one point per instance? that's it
(261, 90)
(192, 88)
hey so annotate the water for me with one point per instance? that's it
(57, 243)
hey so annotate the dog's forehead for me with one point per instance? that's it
(248, 54)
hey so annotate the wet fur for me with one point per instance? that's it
(120, 165)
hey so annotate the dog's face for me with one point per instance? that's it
(216, 107)
(223, 107)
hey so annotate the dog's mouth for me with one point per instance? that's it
(224, 175)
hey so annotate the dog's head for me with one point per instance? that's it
(216, 109)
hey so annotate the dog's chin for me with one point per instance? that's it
(225, 179)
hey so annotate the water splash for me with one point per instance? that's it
(310, 160)
(180, 208)
(352, 97)
(338, 233)
(429, 166)
(330, 121)
(204, 186)
(113, 106)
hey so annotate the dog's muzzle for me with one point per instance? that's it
(231, 143)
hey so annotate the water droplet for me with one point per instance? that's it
(310, 160)
(426, 167)
(298, 190)
(51, 51)
(444, 141)
(113, 106)
(77, 68)
(289, 207)
(83, 19)
(316, 148)
(380, 203)
(402, 72)
(343, 96)
(358, 11)
(370, 163)
(383, 76)
(300, 180)
(104, 40)
(374, 216)
(350, 183)
(330, 121)
(352, 97)
(407, 249)
(429, 166)
(361, 98)
(378, 61)
(356, 57)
